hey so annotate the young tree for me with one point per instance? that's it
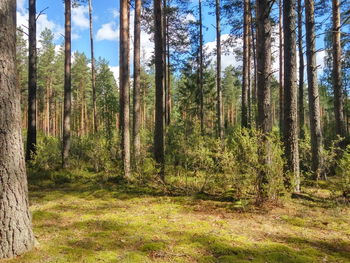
(220, 121)
(67, 85)
(246, 64)
(16, 236)
(124, 85)
(32, 82)
(337, 71)
(137, 78)
(314, 101)
(290, 93)
(159, 79)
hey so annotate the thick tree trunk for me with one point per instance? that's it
(301, 113)
(314, 101)
(246, 65)
(201, 67)
(124, 85)
(67, 85)
(281, 68)
(159, 80)
(220, 120)
(137, 88)
(337, 74)
(32, 82)
(264, 93)
(290, 94)
(93, 72)
(16, 236)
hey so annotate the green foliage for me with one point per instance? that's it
(343, 171)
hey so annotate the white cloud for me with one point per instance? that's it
(80, 17)
(115, 71)
(115, 13)
(20, 5)
(108, 31)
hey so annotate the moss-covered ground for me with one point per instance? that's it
(86, 222)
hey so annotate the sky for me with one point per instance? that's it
(106, 30)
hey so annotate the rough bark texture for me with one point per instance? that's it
(201, 66)
(16, 236)
(290, 133)
(137, 71)
(246, 65)
(281, 67)
(301, 107)
(159, 79)
(264, 124)
(220, 119)
(314, 101)
(93, 72)
(124, 85)
(32, 82)
(337, 74)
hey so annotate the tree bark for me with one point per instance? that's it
(301, 72)
(246, 65)
(67, 85)
(16, 236)
(281, 67)
(220, 120)
(290, 95)
(137, 71)
(93, 72)
(32, 82)
(201, 67)
(264, 124)
(159, 80)
(337, 74)
(124, 85)
(314, 101)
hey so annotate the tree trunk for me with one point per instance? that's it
(281, 68)
(201, 67)
(137, 71)
(220, 121)
(337, 74)
(168, 95)
(290, 94)
(32, 82)
(301, 72)
(314, 101)
(93, 72)
(159, 80)
(246, 65)
(124, 85)
(263, 49)
(16, 236)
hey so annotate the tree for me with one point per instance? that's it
(246, 64)
(301, 113)
(124, 85)
(314, 101)
(201, 66)
(67, 85)
(264, 124)
(159, 80)
(93, 71)
(16, 236)
(32, 82)
(281, 67)
(220, 121)
(137, 78)
(337, 73)
(290, 134)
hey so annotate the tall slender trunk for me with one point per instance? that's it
(201, 66)
(165, 73)
(263, 49)
(67, 85)
(246, 65)
(168, 95)
(281, 68)
(314, 101)
(124, 84)
(337, 74)
(93, 72)
(16, 236)
(137, 71)
(301, 113)
(290, 94)
(32, 82)
(220, 120)
(255, 79)
(159, 80)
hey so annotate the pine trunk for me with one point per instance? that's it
(281, 68)
(301, 72)
(246, 65)
(201, 67)
(220, 121)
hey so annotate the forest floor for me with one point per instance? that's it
(85, 222)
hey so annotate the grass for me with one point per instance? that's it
(86, 222)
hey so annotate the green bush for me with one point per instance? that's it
(343, 170)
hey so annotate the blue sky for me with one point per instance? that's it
(106, 29)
